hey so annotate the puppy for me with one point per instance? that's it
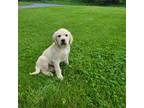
(58, 52)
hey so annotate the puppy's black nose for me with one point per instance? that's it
(63, 40)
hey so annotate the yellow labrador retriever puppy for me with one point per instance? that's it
(58, 52)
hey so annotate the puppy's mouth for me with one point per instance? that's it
(63, 43)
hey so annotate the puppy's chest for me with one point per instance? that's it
(62, 54)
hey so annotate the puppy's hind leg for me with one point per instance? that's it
(49, 70)
(37, 71)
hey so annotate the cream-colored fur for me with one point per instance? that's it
(58, 52)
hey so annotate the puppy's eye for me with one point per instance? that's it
(59, 35)
(66, 35)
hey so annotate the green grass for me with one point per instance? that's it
(95, 77)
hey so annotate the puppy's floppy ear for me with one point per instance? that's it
(71, 39)
(54, 37)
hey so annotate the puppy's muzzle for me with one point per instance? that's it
(63, 42)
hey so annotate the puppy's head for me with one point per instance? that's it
(62, 37)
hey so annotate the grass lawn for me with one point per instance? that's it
(95, 77)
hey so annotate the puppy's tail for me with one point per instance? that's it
(36, 72)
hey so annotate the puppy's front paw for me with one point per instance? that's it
(60, 77)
